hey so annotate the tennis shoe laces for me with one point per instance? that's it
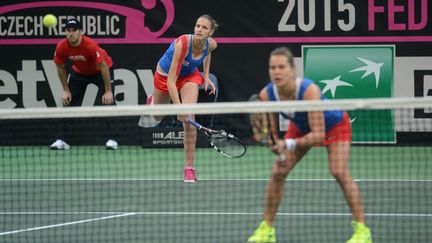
(362, 234)
(189, 175)
(59, 145)
(263, 234)
(111, 144)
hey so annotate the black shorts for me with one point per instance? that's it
(78, 85)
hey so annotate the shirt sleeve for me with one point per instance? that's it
(99, 55)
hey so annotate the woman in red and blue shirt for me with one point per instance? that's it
(178, 79)
(307, 129)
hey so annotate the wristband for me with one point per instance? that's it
(290, 144)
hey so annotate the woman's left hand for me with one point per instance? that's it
(207, 83)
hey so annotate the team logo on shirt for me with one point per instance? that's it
(186, 63)
(77, 58)
(344, 72)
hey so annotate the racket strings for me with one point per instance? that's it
(227, 143)
(261, 129)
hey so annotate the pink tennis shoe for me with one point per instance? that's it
(189, 175)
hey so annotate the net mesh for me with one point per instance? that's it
(137, 194)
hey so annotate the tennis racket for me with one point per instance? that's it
(223, 142)
(264, 127)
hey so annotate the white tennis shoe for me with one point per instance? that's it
(59, 145)
(111, 144)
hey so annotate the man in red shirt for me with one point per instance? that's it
(90, 64)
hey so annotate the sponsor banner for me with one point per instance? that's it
(344, 72)
(413, 78)
(168, 137)
(21, 21)
(286, 21)
(36, 84)
(30, 79)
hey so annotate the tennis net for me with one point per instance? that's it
(137, 194)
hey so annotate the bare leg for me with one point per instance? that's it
(338, 164)
(276, 184)
(160, 98)
(189, 95)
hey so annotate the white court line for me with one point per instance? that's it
(64, 224)
(121, 214)
(124, 214)
(169, 179)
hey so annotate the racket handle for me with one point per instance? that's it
(194, 123)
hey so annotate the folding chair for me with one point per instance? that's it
(205, 97)
(214, 79)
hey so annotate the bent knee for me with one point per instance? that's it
(340, 175)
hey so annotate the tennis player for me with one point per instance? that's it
(307, 129)
(90, 64)
(177, 79)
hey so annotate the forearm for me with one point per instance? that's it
(316, 124)
(309, 140)
(206, 66)
(63, 78)
(106, 78)
(172, 89)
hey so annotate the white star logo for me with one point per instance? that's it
(371, 67)
(332, 84)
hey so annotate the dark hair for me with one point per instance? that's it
(214, 24)
(284, 52)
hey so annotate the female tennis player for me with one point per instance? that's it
(177, 78)
(307, 129)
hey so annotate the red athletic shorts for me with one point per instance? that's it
(160, 81)
(341, 132)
